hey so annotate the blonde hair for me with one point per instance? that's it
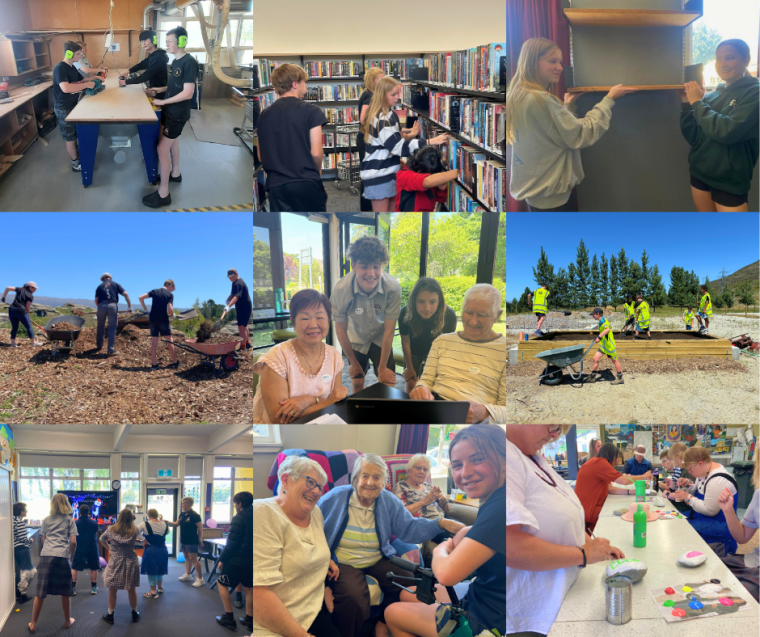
(60, 505)
(526, 79)
(693, 455)
(125, 525)
(153, 513)
(284, 76)
(676, 451)
(371, 77)
(379, 105)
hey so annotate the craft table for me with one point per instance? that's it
(116, 105)
(583, 611)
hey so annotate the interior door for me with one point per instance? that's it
(165, 501)
(352, 227)
(7, 583)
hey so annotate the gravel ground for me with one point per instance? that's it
(694, 390)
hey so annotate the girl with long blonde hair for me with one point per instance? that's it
(385, 143)
(545, 134)
(123, 570)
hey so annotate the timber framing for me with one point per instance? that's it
(641, 349)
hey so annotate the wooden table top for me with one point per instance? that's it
(31, 90)
(115, 105)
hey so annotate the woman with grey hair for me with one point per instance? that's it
(291, 557)
(471, 365)
(359, 521)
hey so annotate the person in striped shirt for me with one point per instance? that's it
(25, 570)
(385, 142)
(471, 365)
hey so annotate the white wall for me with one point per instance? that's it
(360, 26)
(7, 581)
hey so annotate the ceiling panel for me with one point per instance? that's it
(141, 430)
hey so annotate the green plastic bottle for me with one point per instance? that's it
(641, 491)
(640, 527)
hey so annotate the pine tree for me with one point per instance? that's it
(604, 282)
(544, 271)
(728, 297)
(633, 282)
(583, 274)
(678, 294)
(646, 284)
(572, 284)
(525, 303)
(560, 289)
(659, 296)
(614, 282)
(622, 271)
(746, 295)
(594, 283)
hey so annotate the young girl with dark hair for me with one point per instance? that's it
(722, 129)
(423, 182)
(86, 555)
(425, 317)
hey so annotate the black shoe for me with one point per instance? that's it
(154, 200)
(177, 179)
(135, 616)
(23, 599)
(154, 368)
(227, 623)
(175, 365)
(248, 346)
(73, 591)
(76, 166)
(248, 626)
(108, 618)
(238, 603)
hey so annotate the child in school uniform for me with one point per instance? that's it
(365, 307)
(58, 533)
(155, 562)
(25, 570)
(385, 143)
(123, 570)
(423, 182)
(87, 555)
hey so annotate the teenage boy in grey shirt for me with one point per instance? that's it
(365, 307)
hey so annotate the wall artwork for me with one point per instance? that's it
(8, 450)
(674, 433)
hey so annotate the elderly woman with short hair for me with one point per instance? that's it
(471, 365)
(301, 375)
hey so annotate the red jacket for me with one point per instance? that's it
(412, 196)
(591, 487)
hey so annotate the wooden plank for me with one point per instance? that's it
(32, 92)
(128, 104)
(630, 17)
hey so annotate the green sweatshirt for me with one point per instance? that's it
(722, 129)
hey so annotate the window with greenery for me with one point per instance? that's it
(130, 488)
(263, 292)
(192, 488)
(301, 238)
(36, 493)
(221, 500)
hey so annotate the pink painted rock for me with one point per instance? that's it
(725, 601)
(678, 612)
(669, 590)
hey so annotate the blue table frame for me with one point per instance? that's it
(87, 134)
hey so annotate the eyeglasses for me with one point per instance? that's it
(312, 484)
(555, 431)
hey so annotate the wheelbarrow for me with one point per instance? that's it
(565, 357)
(229, 359)
(69, 337)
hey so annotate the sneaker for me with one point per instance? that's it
(76, 166)
(537, 333)
(238, 603)
(186, 578)
(108, 618)
(73, 591)
(94, 590)
(199, 582)
(706, 331)
(248, 346)
(175, 365)
(154, 368)
(154, 200)
(247, 625)
(135, 616)
(227, 623)
(177, 179)
(22, 599)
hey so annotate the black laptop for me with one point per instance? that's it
(395, 411)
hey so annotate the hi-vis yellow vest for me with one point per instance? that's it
(688, 317)
(643, 309)
(629, 311)
(705, 304)
(539, 300)
(607, 342)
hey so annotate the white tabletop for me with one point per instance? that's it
(583, 610)
(115, 105)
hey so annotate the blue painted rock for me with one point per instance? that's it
(628, 567)
(692, 559)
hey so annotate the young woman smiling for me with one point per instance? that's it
(545, 134)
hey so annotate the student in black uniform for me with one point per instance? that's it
(154, 65)
(290, 145)
(67, 84)
(241, 299)
(160, 310)
(18, 312)
(175, 112)
(86, 555)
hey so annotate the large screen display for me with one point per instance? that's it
(101, 503)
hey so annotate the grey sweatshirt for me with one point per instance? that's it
(546, 157)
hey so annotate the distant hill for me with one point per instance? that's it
(749, 273)
(53, 301)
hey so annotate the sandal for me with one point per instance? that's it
(159, 590)
(149, 594)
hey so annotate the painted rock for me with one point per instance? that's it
(668, 602)
(692, 558)
(687, 589)
(622, 511)
(678, 612)
(726, 601)
(629, 567)
(669, 590)
(695, 604)
(659, 502)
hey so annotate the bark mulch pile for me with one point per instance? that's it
(92, 389)
(204, 331)
(633, 366)
(63, 326)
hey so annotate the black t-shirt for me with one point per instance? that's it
(108, 293)
(159, 312)
(65, 73)
(188, 532)
(184, 71)
(284, 134)
(420, 346)
(22, 296)
(155, 74)
(240, 290)
(364, 100)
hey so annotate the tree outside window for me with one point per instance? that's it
(221, 495)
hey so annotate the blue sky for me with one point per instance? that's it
(705, 243)
(65, 253)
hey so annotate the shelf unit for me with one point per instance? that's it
(467, 190)
(18, 129)
(330, 79)
(19, 57)
(263, 89)
(463, 91)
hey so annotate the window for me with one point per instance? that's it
(243, 480)
(438, 448)
(130, 488)
(302, 238)
(192, 488)
(36, 493)
(720, 22)
(263, 292)
(221, 497)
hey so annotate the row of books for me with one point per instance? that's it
(342, 115)
(334, 92)
(480, 121)
(482, 68)
(460, 200)
(262, 72)
(396, 68)
(329, 139)
(265, 99)
(333, 69)
(330, 160)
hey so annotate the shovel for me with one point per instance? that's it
(627, 327)
(218, 324)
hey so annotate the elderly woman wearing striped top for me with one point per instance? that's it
(385, 142)
(472, 364)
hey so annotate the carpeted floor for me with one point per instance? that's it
(340, 200)
(181, 611)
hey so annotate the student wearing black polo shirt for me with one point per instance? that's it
(160, 310)
(190, 538)
(175, 112)
(154, 65)
(18, 312)
(425, 317)
(67, 84)
(241, 299)
(290, 145)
